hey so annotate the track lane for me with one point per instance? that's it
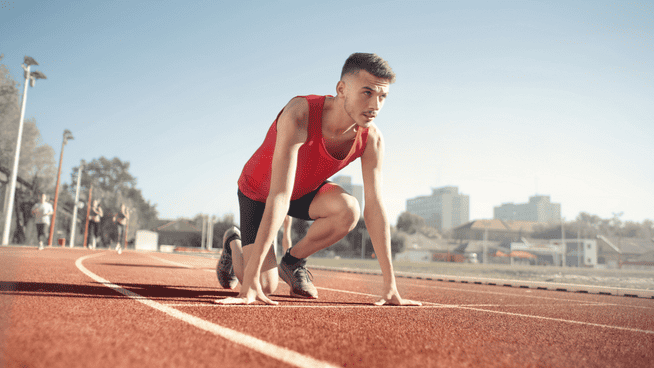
(464, 325)
(263, 347)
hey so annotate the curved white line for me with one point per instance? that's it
(263, 347)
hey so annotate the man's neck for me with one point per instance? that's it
(335, 121)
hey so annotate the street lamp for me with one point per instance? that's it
(77, 205)
(30, 77)
(67, 135)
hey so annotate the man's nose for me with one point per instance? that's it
(376, 104)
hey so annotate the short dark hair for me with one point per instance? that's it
(371, 63)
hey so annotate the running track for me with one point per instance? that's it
(82, 308)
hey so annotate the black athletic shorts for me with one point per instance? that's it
(252, 213)
(40, 231)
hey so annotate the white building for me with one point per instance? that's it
(539, 209)
(444, 209)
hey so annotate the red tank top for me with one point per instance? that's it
(314, 163)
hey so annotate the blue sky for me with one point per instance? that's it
(504, 99)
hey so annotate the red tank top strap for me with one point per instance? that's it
(315, 115)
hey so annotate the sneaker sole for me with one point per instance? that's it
(294, 294)
(227, 284)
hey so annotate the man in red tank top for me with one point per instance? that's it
(312, 138)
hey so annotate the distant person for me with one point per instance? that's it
(42, 212)
(94, 222)
(312, 138)
(120, 219)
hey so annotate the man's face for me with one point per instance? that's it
(43, 198)
(364, 95)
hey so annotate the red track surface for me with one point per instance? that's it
(82, 308)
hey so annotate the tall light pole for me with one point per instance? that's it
(75, 206)
(204, 231)
(67, 135)
(212, 220)
(30, 77)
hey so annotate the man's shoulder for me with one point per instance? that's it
(297, 105)
(297, 112)
(374, 133)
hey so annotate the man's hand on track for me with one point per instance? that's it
(392, 297)
(247, 296)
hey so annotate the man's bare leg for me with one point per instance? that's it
(286, 233)
(336, 213)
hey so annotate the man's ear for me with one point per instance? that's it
(340, 88)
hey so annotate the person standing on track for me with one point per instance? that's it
(311, 139)
(120, 219)
(94, 222)
(42, 212)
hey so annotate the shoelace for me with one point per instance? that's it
(304, 273)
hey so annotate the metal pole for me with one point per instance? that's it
(485, 257)
(88, 213)
(564, 248)
(67, 135)
(72, 227)
(212, 219)
(580, 249)
(204, 232)
(126, 230)
(56, 197)
(9, 200)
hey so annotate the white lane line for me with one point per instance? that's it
(514, 314)
(421, 285)
(342, 306)
(560, 320)
(505, 313)
(277, 352)
(171, 262)
(284, 306)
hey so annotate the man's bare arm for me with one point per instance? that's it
(291, 134)
(375, 216)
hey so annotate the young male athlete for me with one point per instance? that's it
(312, 138)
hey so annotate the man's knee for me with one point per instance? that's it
(349, 213)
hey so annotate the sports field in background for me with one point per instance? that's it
(634, 279)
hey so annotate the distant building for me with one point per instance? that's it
(179, 233)
(355, 190)
(444, 209)
(628, 253)
(539, 209)
(497, 230)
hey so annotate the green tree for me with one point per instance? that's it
(410, 223)
(350, 245)
(113, 185)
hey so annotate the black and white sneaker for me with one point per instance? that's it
(224, 268)
(298, 277)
